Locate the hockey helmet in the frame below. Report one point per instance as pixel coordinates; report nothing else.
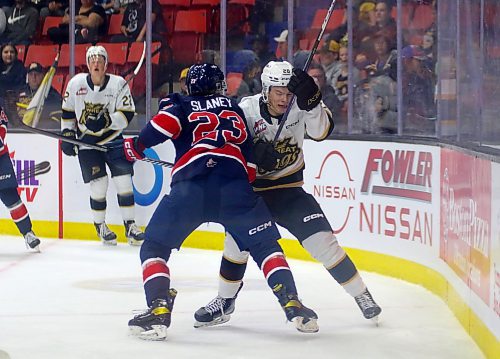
(275, 73)
(97, 50)
(205, 79)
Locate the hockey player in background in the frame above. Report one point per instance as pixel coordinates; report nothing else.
(279, 182)
(8, 190)
(210, 183)
(96, 108)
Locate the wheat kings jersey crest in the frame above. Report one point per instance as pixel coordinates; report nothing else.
(83, 102)
(317, 124)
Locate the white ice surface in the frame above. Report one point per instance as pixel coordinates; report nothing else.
(74, 300)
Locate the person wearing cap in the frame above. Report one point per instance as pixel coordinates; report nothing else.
(299, 56)
(51, 109)
(182, 81)
(419, 81)
(366, 24)
(328, 57)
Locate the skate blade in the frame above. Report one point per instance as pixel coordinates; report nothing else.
(159, 332)
(221, 320)
(134, 242)
(110, 243)
(35, 249)
(311, 326)
(375, 320)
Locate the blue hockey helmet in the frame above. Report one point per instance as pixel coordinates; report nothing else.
(205, 79)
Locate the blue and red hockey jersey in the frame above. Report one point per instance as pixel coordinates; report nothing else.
(205, 130)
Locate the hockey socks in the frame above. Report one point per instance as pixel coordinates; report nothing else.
(17, 209)
(156, 279)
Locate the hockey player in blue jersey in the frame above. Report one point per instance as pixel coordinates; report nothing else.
(9, 189)
(210, 183)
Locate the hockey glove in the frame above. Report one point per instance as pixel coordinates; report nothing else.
(69, 149)
(96, 124)
(129, 149)
(133, 149)
(306, 90)
(265, 155)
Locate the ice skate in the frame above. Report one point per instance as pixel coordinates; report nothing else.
(153, 324)
(134, 235)
(108, 237)
(32, 241)
(305, 319)
(218, 311)
(368, 307)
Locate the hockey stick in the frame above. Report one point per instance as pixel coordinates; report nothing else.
(306, 66)
(34, 111)
(38, 169)
(102, 148)
(134, 74)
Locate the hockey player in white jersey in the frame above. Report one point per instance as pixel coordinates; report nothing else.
(96, 108)
(279, 181)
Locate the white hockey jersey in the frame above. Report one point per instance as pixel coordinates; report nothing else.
(317, 124)
(83, 101)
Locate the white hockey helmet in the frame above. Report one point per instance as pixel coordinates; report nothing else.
(98, 50)
(275, 73)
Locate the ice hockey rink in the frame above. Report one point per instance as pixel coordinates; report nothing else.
(74, 300)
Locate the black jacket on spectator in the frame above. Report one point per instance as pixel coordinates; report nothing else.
(60, 34)
(21, 25)
(12, 77)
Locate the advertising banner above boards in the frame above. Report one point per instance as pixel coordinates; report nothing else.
(494, 299)
(466, 218)
(151, 183)
(379, 197)
(39, 192)
(429, 205)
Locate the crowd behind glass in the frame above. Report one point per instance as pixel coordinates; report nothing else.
(386, 67)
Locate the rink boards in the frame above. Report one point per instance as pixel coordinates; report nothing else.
(425, 214)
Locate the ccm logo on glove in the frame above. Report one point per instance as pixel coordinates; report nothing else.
(132, 152)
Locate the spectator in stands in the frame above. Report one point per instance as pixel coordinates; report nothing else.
(328, 57)
(22, 21)
(419, 81)
(385, 58)
(330, 99)
(340, 82)
(250, 85)
(91, 24)
(6, 4)
(107, 5)
(385, 24)
(299, 56)
(52, 106)
(260, 45)
(121, 5)
(208, 56)
(12, 72)
(54, 8)
(133, 26)
(182, 81)
(365, 27)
